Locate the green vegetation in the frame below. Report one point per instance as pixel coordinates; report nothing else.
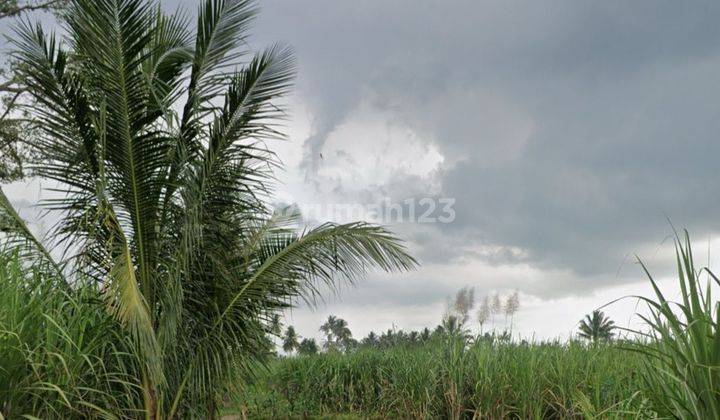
(596, 327)
(157, 140)
(176, 270)
(682, 364)
(290, 340)
(61, 354)
(451, 378)
(670, 371)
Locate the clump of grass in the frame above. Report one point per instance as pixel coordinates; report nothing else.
(682, 370)
(61, 354)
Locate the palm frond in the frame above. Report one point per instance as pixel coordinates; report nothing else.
(324, 254)
(114, 37)
(233, 175)
(171, 53)
(15, 234)
(61, 109)
(125, 300)
(221, 26)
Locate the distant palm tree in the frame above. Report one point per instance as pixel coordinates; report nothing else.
(337, 333)
(342, 332)
(387, 339)
(371, 340)
(307, 347)
(275, 325)
(327, 328)
(291, 340)
(425, 334)
(596, 327)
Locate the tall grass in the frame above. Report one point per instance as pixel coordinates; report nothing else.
(682, 370)
(449, 379)
(61, 354)
(672, 371)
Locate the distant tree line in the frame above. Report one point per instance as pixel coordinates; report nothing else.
(595, 328)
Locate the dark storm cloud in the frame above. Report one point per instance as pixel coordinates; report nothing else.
(570, 129)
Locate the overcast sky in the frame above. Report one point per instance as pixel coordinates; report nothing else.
(567, 132)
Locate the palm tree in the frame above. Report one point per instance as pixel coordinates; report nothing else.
(307, 347)
(343, 335)
(327, 328)
(290, 340)
(371, 340)
(275, 325)
(425, 335)
(387, 339)
(596, 327)
(157, 141)
(337, 334)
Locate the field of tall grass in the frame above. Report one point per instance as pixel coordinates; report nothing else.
(452, 378)
(671, 369)
(62, 354)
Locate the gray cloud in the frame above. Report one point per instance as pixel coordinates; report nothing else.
(570, 129)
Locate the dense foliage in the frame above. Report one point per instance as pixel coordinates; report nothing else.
(61, 353)
(156, 140)
(682, 349)
(446, 378)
